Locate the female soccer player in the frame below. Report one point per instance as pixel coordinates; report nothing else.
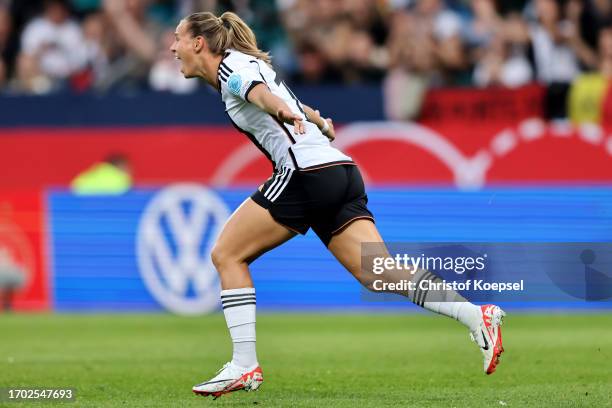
(313, 186)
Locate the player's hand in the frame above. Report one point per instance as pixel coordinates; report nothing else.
(330, 132)
(291, 118)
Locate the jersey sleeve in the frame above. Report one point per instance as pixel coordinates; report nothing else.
(242, 80)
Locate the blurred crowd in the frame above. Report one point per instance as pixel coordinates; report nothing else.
(407, 45)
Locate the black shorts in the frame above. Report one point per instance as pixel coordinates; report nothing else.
(326, 199)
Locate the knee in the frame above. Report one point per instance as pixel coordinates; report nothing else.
(222, 257)
(365, 277)
(367, 282)
(218, 255)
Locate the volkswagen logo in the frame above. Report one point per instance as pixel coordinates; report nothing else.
(175, 236)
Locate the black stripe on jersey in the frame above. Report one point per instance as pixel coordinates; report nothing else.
(297, 102)
(263, 80)
(227, 70)
(254, 140)
(282, 125)
(222, 76)
(293, 159)
(219, 70)
(253, 85)
(259, 69)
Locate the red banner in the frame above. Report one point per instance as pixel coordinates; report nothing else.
(491, 105)
(468, 154)
(22, 262)
(529, 152)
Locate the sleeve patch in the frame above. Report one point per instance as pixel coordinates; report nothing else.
(234, 83)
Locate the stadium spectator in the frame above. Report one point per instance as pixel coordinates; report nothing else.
(165, 73)
(12, 277)
(407, 45)
(343, 37)
(605, 52)
(437, 17)
(511, 6)
(5, 31)
(364, 62)
(369, 16)
(590, 100)
(84, 7)
(185, 7)
(503, 62)
(433, 19)
(111, 176)
(97, 48)
(558, 51)
(425, 49)
(135, 40)
(367, 58)
(263, 17)
(314, 66)
(605, 69)
(596, 15)
(51, 49)
(483, 27)
(574, 10)
(413, 68)
(555, 47)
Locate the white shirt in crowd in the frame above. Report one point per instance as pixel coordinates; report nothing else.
(555, 62)
(515, 72)
(60, 47)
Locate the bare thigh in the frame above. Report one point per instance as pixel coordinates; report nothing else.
(250, 232)
(347, 248)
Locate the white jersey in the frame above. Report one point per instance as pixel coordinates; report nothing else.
(238, 74)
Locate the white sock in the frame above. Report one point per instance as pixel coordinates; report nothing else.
(465, 312)
(445, 302)
(239, 310)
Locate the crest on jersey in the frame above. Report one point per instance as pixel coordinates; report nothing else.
(234, 83)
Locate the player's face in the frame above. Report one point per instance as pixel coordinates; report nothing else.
(183, 49)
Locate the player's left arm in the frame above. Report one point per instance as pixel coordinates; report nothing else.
(265, 100)
(326, 125)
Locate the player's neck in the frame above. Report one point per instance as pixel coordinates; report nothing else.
(209, 69)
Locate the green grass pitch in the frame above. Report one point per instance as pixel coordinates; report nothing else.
(309, 360)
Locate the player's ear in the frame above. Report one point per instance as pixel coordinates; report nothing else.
(199, 44)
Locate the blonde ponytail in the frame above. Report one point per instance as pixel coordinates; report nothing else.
(225, 32)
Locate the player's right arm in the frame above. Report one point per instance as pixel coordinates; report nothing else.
(315, 117)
